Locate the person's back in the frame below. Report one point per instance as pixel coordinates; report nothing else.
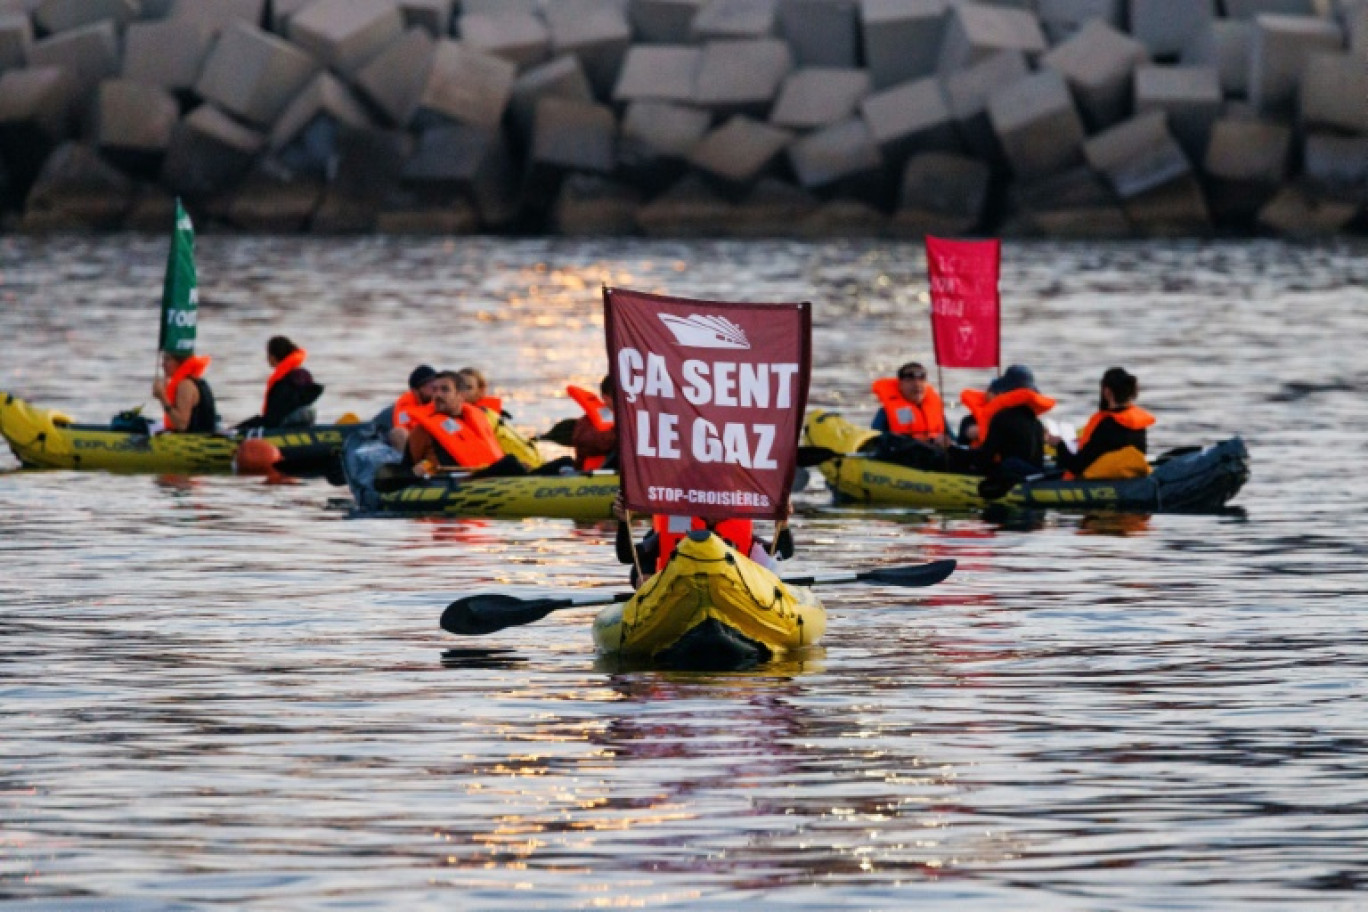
(290, 390)
(1012, 438)
(1114, 442)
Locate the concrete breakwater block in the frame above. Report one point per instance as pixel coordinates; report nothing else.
(595, 31)
(563, 77)
(133, 117)
(1334, 92)
(574, 136)
(368, 168)
(395, 79)
(941, 194)
(967, 92)
(281, 12)
(168, 52)
(345, 35)
(1226, 46)
(304, 138)
(16, 34)
(90, 52)
(1166, 26)
(77, 189)
(1337, 165)
(592, 206)
(1037, 125)
(912, 117)
(819, 96)
(1098, 63)
(54, 16)
(658, 72)
(975, 32)
(267, 202)
(456, 162)
(1301, 212)
(209, 152)
(773, 208)
(739, 151)
(1076, 203)
(821, 33)
(1246, 162)
(218, 15)
(663, 21)
(1190, 96)
(1146, 167)
(655, 129)
(1248, 9)
(902, 38)
(690, 208)
(741, 75)
(467, 85)
(735, 19)
(433, 16)
(520, 37)
(37, 108)
(253, 74)
(843, 152)
(1282, 47)
(1061, 19)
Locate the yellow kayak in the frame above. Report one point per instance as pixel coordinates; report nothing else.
(710, 608)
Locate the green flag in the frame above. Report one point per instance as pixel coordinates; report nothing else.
(180, 293)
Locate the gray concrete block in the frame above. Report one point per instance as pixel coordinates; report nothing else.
(1098, 63)
(975, 32)
(54, 16)
(151, 9)
(520, 37)
(741, 75)
(688, 209)
(168, 52)
(394, 81)
(844, 218)
(16, 34)
(77, 189)
(663, 21)
(305, 137)
(1304, 213)
(414, 216)
(459, 161)
(1282, 46)
(562, 77)
(134, 116)
(345, 35)
(1149, 172)
(43, 98)
(739, 150)
(368, 167)
(1037, 124)
(217, 15)
(273, 203)
(500, 6)
(282, 11)
(592, 206)
(1061, 19)
(658, 72)
(819, 96)
(595, 32)
(1248, 9)
(1225, 46)
(1337, 164)
(840, 152)
(1076, 203)
(434, 16)
(573, 136)
(942, 193)
(1334, 93)
(722, 19)
(209, 153)
(654, 129)
(772, 209)
(823, 33)
(467, 85)
(1190, 96)
(90, 52)
(1166, 26)
(967, 91)
(912, 117)
(1356, 24)
(902, 38)
(253, 74)
(1249, 151)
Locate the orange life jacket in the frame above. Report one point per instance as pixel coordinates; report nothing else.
(493, 403)
(983, 409)
(922, 422)
(194, 366)
(407, 408)
(293, 361)
(740, 532)
(1132, 417)
(1127, 462)
(600, 415)
(469, 439)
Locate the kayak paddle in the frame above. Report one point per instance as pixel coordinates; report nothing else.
(477, 615)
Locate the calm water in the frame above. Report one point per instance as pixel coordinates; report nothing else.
(219, 694)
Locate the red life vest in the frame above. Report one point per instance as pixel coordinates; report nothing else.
(740, 532)
(194, 366)
(407, 408)
(983, 409)
(600, 415)
(469, 439)
(1132, 417)
(293, 361)
(921, 422)
(493, 403)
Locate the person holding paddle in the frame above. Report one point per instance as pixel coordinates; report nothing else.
(666, 531)
(185, 394)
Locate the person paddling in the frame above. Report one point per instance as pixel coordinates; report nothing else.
(290, 390)
(910, 406)
(1113, 443)
(185, 394)
(1011, 436)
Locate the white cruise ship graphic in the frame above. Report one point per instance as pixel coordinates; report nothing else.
(698, 331)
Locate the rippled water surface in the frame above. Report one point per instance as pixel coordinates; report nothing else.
(220, 694)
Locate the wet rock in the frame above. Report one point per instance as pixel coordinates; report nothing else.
(844, 218)
(413, 217)
(369, 165)
(1072, 204)
(1246, 162)
(270, 202)
(1303, 213)
(773, 209)
(688, 209)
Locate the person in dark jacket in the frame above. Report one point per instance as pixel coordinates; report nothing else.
(1114, 442)
(290, 390)
(1014, 439)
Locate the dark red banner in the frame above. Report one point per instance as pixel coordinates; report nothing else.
(964, 301)
(709, 403)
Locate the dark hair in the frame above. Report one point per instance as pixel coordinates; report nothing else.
(1124, 386)
(453, 376)
(280, 348)
(607, 387)
(911, 367)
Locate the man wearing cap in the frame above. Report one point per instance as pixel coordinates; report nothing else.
(1012, 439)
(422, 385)
(911, 406)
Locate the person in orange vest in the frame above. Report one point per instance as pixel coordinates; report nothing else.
(1113, 443)
(594, 435)
(290, 390)
(911, 407)
(666, 532)
(185, 394)
(422, 385)
(478, 394)
(453, 433)
(1011, 437)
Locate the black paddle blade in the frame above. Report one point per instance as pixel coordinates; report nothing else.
(477, 615)
(923, 575)
(809, 456)
(561, 432)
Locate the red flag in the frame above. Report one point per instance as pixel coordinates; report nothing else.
(709, 402)
(964, 301)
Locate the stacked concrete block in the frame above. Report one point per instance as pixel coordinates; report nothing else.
(133, 123)
(741, 75)
(169, 53)
(1246, 162)
(967, 92)
(90, 52)
(77, 189)
(975, 32)
(500, 6)
(941, 194)
(844, 218)
(433, 16)
(658, 72)
(1226, 46)
(593, 206)
(37, 108)
(1075, 203)
(16, 34)
(345, 35)
(1303, 213)
(53, 16)
(562, 77)
(1166, 26)
(902, 38)
(1334, 93)
(394, 81)
(663, 21)
(842, 153)
(1356, 23)
(688, 209)
(912, 117)
(573, 136)
(1337, 165)
(271, 203)
(774, 208)
(720, 19)
(218, 15)
(1061, 19)
(282, 11)
(253, 74)
(1098, 63)
(819, 96)
(1037, 125)
(458, 162)
(413, 215)
(655, 139)
(305, 137)
(1282, 46)
(738, 152)
(369, 163)
(209, 152)
(519, 37)
(822, 33)
(466, 85)
(595, 31)
(1190, 96)
(1149, 172)
(1248, 9)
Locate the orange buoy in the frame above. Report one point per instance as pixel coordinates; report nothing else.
(256, 457)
